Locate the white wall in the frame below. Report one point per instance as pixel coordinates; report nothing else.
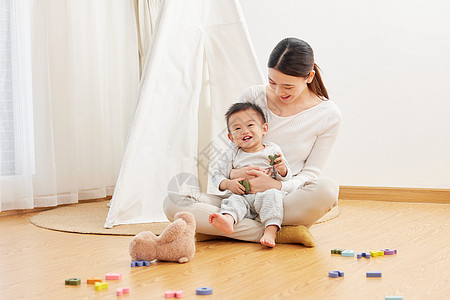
(387, 65)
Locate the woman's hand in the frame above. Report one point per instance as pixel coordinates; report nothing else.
(261, 182)
(242, 172)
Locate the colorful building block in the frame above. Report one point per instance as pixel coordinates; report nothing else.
(246, 185)
(333, 274)
(272, 159)
(73, 281)
(204, 291)
(113, 276)
(140, 263)
(366, 254)
(393, 298)
(93, 280)
(169, 294)
(348, 253)
(179, 294)
(101, 286)
(374, 253)
(359, 255)
(389, 251)
(373, 274)
(122, 291)
(337, 251)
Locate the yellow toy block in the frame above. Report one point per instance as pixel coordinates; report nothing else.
(374, 253)
(101, 285)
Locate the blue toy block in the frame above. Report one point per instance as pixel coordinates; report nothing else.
(373, 274)
(359, 255)
(348, 253)
(341, 273)
(140, 263)
(204, 291)
(333, 274)
(366, 254)
(393, 298)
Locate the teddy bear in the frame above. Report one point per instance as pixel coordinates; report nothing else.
(176, 242)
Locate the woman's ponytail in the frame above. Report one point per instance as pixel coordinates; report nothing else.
(316, 85)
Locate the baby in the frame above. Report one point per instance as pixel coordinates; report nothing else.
(246, 128)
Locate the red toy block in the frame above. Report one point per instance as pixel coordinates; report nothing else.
(113, 276)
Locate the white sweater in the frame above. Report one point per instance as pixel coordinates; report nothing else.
(306, 138)
(236, 158)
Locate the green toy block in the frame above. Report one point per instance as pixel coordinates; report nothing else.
(272, 159)
(245, 184)
(73, 281)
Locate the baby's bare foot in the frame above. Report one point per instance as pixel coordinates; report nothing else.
(222, 222)
(268, 238)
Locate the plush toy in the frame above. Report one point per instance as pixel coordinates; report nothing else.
(176, 242)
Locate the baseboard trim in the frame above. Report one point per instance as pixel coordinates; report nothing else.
(395, 194)
(15, 212)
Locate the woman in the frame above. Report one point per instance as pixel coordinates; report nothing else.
(305, 124)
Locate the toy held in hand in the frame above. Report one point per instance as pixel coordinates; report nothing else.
(246, 184)
(176, 242)
(272, 159)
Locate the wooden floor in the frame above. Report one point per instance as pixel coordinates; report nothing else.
(34, 262)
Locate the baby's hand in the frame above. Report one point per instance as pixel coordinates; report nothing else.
(280, 165)
(235, 187)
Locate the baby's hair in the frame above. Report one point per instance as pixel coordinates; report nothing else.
(243, 106)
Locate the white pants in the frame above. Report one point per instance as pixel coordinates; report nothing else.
(301, 207)
(268, 205)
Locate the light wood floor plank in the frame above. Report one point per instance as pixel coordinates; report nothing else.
(34, 262)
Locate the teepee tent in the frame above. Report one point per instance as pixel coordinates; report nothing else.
(199, 61)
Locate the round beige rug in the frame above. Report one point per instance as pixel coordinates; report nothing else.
(90, 218)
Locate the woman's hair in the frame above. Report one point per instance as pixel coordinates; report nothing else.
(243, 106)
(295, 57)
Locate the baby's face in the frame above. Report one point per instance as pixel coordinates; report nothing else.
(247, 130)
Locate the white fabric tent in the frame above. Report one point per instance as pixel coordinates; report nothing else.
(199, 62)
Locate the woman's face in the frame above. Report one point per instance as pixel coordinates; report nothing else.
(288, 88)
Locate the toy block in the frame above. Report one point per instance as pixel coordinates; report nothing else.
(122, 291)
(73, 281)
(359, 255)
(393, 298)
(169, 294)
(348, 253)
(373, 274)
(146, 263)
(337, 251)
(272, 159)
(246, 184)
(93, 280)
(101, 285)
(204, 291)
(367, 255)
(113, 276)
(376, 253)
(179, 294)
(333, 274)
(389, 251)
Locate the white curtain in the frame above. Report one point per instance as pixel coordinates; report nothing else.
(74, 89)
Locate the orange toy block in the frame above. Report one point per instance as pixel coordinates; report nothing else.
(93, 280)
